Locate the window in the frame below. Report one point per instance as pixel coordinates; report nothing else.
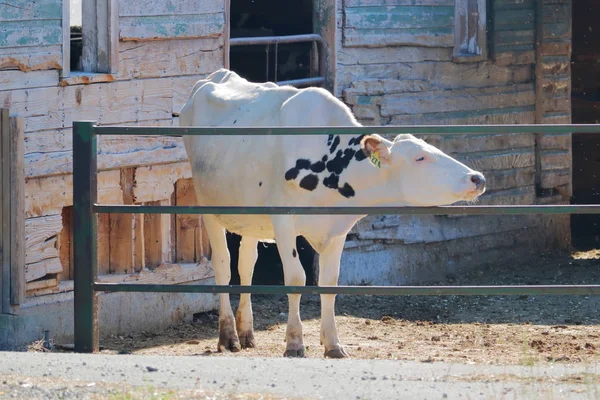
(90, 35)
(470, 43)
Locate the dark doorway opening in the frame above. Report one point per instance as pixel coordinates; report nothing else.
(269, 269)
(585, 96)
(259, 18)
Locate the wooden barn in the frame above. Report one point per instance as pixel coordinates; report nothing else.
(392, 61)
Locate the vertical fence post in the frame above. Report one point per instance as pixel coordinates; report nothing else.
(16, 137)
(84, 241)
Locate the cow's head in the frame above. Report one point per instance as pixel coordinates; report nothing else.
(420, 174)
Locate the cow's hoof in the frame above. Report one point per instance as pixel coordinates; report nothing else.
(299, 353)
(232, 345)
(247, 340)
(336, 353)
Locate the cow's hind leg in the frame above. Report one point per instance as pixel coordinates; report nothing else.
(329, 270)
(285, 235)
(244, 320)
(228, 338)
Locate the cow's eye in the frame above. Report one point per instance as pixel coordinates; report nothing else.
(420, 159)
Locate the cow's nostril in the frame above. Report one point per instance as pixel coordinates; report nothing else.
(478, 180)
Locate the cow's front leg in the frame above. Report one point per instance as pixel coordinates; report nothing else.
(285, 235)
(244, 320)
(228, 338)
(329, 270)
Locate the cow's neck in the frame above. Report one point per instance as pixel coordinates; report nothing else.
(370, 184)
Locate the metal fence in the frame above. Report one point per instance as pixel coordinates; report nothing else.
(86, 209)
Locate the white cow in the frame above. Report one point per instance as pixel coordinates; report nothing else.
(300, 170)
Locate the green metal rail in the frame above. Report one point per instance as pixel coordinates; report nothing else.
(85, 210)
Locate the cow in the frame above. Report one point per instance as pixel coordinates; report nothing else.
(300, 170)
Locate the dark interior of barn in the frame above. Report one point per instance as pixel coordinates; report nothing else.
(259, 18)
(586, 110)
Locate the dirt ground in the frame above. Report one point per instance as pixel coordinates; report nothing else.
(525, 330)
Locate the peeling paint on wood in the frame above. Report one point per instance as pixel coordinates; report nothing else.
(171, 26)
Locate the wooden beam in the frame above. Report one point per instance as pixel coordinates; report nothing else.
(65, 244)
(188, 227)
(17, 210)
(121, 229)
(157, 236)
(4, 213)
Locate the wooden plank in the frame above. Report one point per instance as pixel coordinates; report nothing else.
(65, 245)
(166, 273)
(379, 3)
(176, 57)
(121, 229)
(157, 237)
(42, 268)
(399, 17)
(130, 8)
(4, 212)
(158, 182)
(188, 227)
(104, 243)
(17, 211)
(33, 58)
(139, 249)
(31, 33)
(49, 282)
(66, 39)
(30, 10)
(459, 100)
(43, 250)
(431, 229)
(40, 231)
(46, 196)
(500, 160)
(171, 26)
(14, 79)
(555, 159)
(365, 55)
(425, 37)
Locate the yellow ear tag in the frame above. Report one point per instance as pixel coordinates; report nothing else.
(375, 159)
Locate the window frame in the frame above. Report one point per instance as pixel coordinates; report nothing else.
(100, 38)
(479, 33)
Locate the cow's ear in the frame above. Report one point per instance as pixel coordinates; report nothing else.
(375, 148)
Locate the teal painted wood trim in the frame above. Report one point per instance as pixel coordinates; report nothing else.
(427, 118)
(137, 8)
(514, 17)
(426, 37)
(399, 17)
(30, 33)
(171, 26)
(514, 48)
(379, 3)
(24, 10)
(513, 5)
(514, 37)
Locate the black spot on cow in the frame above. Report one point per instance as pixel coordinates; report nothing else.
(329, 140)
(294, 254)
(302, 163)
(355, 140)
(360, 155)
(234, 121)
(317, 167)
(341, 161)
(346, 191)
(324, 158)
(291, 174)
(259, 184)
(331, 181)
(309, 182)
(334, 145)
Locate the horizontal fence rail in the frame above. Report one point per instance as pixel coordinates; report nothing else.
(497, 290)
(362, 130)
(447, 210)
(86, 209)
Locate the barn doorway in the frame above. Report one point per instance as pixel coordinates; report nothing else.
(259, 18)
(585, 96)
(259, 63)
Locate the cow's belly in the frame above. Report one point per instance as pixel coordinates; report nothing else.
(257, 226)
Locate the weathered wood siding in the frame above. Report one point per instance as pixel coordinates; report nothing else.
(170, 19)
(395, 65)
(30, 35)
(164, 48)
